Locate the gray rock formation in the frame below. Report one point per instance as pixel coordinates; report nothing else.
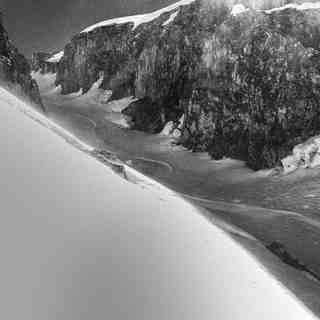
(248, 84)
(15, 71)
(41, 62)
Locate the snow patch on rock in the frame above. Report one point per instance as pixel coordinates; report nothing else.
(56, 57)
(296, 6)
(171, 18)
(238, 9)
(138, 19)
(305, 155)
(173, 129)
(120, 105)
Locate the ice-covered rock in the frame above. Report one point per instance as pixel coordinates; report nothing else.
(304, 155)
(173, 128)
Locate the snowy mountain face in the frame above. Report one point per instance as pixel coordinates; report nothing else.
(15, 71)
(245, 75)
(85, 253)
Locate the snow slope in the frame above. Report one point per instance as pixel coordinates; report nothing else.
(138, 19)
(79, 242)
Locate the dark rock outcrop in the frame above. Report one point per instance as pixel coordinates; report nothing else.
(248, 85)
(40, 63)
(15, 72)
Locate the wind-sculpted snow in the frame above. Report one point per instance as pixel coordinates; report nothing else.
(90, 245)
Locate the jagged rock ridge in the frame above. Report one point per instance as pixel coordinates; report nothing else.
(248, 84)
(15, 71)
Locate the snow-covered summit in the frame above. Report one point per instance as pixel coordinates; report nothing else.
(138, 19)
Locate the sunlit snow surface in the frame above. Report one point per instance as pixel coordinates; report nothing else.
(79, 242)
(139, 19)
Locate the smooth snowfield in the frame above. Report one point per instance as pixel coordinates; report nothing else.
(140, 18)
(78, 242)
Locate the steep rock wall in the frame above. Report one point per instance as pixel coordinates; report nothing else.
(15, 71)
(39, 62)
(248, 85)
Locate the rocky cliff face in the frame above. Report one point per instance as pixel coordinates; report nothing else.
(246, 80)
(44, 62)
(15, 71)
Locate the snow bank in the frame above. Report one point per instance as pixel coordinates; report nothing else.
(305, 155)
(56, 57)
(84, 241)
(138, 19)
